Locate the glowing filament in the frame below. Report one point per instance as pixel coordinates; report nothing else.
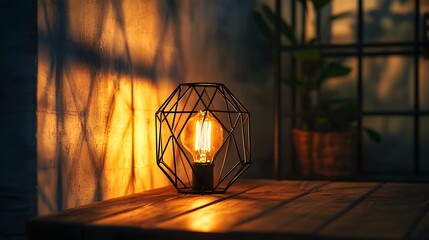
(202, 136)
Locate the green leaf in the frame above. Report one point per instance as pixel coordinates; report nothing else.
(339, 16)
(319, 4)
(286, 29)
(307, 54)
(373, 135)
(333, 69)
(263, 26)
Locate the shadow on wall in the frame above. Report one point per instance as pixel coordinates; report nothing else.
(104, 67)
(101, 76)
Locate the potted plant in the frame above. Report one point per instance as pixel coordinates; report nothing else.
(325, 135)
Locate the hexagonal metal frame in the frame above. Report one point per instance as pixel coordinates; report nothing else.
(185, 101)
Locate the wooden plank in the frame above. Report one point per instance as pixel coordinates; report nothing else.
(421, 228)
(252, 209)
(219, 217)
(68, 224)
(127, 211)
(388, 213)
(308, 213)
(102, 209)
(170, 208)
(111, 207)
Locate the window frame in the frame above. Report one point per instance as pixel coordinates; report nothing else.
(358, 50)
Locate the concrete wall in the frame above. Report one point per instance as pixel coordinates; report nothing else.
(104, 67)
(18, 54)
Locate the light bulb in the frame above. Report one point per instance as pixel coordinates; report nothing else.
(202, 137)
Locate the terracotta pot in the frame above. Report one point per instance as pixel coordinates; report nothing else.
(325, 153)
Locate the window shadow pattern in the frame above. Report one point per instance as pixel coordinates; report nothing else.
(104, 67)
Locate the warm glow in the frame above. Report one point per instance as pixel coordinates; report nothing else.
(96, 95)
(202, 137)
(202, 220)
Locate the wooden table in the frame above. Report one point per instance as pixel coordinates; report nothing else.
(251, 209)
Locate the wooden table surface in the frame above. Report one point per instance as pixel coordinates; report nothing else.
(251, 209)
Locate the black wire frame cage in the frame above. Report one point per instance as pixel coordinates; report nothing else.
(234, 155)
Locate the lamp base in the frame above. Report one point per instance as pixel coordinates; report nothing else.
(202, 178)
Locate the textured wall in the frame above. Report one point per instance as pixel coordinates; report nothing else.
(99, 83)
(104, 67)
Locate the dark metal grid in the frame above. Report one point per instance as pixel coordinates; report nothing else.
(277, 94)
(359, 50)
(416, 88)
(359, 84)
(185, 101)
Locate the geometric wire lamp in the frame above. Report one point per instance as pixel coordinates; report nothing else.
(202, 138)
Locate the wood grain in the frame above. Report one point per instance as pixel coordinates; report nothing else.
(202, 221)
(252, 209)
(220, 216)
(103, 209)
(308, 213)
(387, 213)
(166, 209)
(421, 228)
(130, 211)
